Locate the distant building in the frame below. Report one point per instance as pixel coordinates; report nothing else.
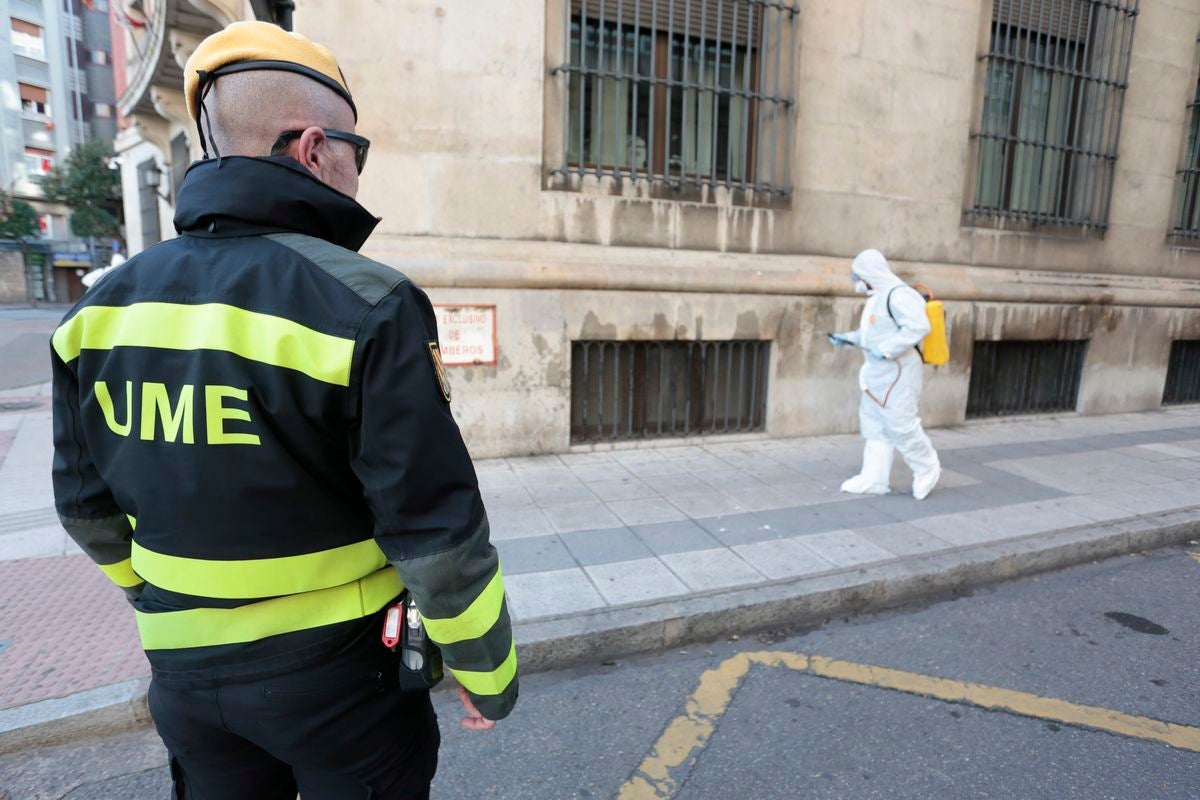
(56, 91)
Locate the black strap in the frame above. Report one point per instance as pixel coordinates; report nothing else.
(888, 302)
(203, 117)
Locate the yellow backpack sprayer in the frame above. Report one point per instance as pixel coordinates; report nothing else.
(934, 348)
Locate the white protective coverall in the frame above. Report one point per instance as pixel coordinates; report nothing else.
(890, 380)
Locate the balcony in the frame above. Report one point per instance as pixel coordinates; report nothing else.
(31, 70)
(29, 10)
(32, 53)
(37, 131)
(157, 64)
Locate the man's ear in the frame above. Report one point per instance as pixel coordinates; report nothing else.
(310, 150)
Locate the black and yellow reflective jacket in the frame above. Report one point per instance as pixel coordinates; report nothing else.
(253, 437)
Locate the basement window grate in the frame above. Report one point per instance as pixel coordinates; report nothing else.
(1025, 377)
(645, 390)
(1183, 373)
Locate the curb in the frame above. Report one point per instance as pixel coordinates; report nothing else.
(108, 709)
(570, 640)
(558, 642)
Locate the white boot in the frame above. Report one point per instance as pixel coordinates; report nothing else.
(876, 470)
(923, 484)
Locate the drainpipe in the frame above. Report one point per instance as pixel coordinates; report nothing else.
(283, 13)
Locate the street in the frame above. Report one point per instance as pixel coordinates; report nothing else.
(25, 345)
(1117, 636)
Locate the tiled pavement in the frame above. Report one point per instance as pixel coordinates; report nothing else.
(588, 531)
(63, 629)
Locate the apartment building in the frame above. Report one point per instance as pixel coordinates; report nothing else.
(56, 91)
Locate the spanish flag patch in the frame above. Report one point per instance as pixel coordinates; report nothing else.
(435, 353)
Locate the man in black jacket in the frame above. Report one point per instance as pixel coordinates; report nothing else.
(253, 438)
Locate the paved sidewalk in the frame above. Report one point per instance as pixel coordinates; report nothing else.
(589, 537)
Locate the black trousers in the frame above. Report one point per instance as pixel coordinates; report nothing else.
(340, 730)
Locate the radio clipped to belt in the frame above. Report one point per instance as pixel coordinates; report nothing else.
(420, 658)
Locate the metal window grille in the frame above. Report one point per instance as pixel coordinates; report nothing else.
(1025, 377)
(680, 93)
(1187, 213)
(643, 390)
(1183, 373)
(1055, 88)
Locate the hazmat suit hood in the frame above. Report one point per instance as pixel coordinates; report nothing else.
(872, 267)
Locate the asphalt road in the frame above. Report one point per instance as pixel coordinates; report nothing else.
(25, 345)
(1122, 635)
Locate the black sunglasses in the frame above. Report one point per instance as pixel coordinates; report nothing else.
(361, 144)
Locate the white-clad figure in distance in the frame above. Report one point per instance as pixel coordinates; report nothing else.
(893, 324)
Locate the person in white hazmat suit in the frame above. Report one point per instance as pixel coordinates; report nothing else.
(893, 323)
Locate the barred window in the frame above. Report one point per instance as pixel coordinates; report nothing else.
(1025, 377)
(652, 389)
(1183, 373)
(1047, 143)
(680, 93)
(1187, 213)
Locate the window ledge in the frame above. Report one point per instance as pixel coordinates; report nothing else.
(983, 221)
(646, 189)
(1189, 240)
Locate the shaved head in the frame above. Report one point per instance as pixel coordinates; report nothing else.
(250, 109)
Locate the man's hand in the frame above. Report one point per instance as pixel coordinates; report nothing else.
(473, 721)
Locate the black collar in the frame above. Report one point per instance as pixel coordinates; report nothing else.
(242, 196)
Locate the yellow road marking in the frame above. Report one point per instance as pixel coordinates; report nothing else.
(1027, 705)
(686, 736)
(1194, 555)
(688, 733)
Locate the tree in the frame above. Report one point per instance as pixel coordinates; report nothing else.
(19, 223)
(18, 220)
(90, 188)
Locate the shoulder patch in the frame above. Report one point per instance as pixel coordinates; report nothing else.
(439, 369)
(369, 279)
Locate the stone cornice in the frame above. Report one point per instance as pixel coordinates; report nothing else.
(499, 264)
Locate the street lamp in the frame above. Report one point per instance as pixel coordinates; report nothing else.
(152, 179)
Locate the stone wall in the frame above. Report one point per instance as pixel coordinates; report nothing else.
(522, 405)
(13, 287)
(887, 95)
(549, 295)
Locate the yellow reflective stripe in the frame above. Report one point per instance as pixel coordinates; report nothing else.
(259, 577)
(122, 573)
(477, 620)
(209, 326)
(204, 627)
(489, 683)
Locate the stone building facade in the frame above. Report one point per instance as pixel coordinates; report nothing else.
(1031, 161)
